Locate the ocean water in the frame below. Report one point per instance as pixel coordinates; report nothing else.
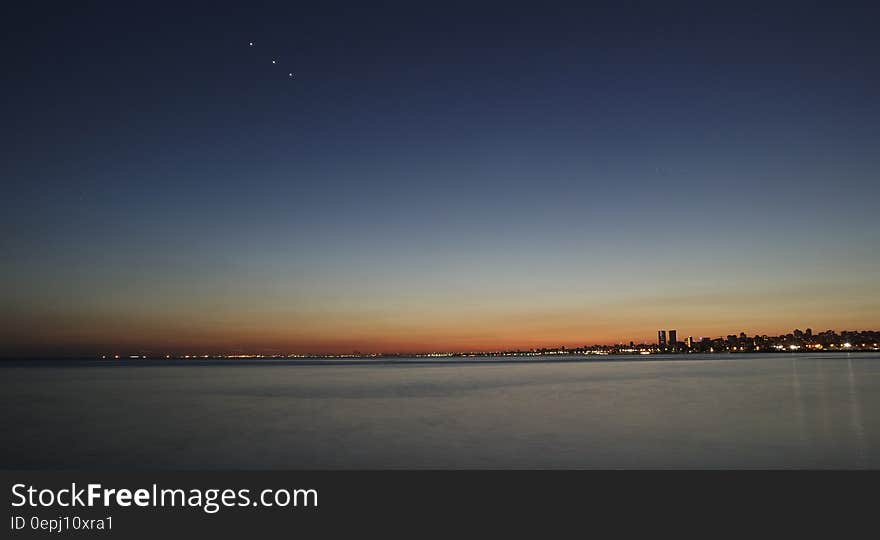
(722, 411)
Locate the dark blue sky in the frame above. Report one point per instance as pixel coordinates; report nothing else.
(436, 174)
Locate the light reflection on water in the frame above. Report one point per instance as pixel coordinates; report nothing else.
(752, 411)
(799, 402)
(857, 426)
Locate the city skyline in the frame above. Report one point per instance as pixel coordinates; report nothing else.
(443, 176)
(796, 340)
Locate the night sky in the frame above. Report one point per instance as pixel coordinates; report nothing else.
(434, 176)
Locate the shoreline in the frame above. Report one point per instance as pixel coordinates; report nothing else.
(402, 360)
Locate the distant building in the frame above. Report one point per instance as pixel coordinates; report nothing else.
(689, 342)
(673, 338)
(661, 338)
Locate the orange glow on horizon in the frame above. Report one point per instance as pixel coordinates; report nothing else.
(390, 341)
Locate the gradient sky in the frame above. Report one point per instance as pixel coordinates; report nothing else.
(441, 176)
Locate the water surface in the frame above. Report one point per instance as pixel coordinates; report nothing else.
(722, 411)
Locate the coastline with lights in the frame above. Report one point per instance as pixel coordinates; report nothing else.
(667, 343)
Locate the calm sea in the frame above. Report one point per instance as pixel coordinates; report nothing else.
(725, 411)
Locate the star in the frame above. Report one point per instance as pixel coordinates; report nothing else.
(273, 61)
(251, 44)
(290, 75)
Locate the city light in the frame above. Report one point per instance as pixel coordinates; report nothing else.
(667, 343)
